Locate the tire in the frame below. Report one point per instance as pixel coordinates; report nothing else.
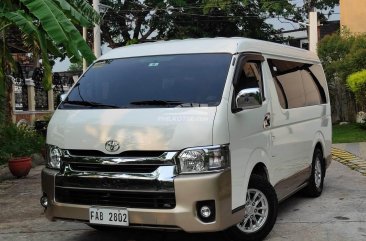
(243, 231)
(316, 180)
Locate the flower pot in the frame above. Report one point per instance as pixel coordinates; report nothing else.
(20, 166)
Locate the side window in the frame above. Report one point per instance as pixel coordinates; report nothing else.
(250, 77)
(296, 85)
(292, 85)
(312, 93)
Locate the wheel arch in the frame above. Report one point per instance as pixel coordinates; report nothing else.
(258, 161)
(318, 142)
(258, 164)
(260, 169)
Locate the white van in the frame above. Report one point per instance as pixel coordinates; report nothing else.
(198, 135)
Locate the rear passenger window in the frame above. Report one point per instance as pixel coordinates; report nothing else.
(312, 93)
(296, 84)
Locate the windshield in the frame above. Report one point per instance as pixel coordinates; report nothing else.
(152, 82)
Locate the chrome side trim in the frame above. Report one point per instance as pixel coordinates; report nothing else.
(293, 192)
(288, 186)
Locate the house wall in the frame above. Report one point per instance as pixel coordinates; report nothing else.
(353, 15)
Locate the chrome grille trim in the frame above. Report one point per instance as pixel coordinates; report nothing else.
(124, 181)
(167, 158)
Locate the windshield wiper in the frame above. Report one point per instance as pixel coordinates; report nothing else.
(166, 103)
(88, 103)
(157, 102)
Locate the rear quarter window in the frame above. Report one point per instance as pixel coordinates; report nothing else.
(298, 84)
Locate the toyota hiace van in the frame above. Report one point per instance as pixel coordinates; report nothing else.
(196, 135)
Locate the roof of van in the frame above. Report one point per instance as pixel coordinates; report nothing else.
(210, 45)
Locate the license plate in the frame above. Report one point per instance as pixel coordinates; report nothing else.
(108, 216)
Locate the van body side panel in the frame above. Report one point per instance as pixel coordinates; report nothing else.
(249, 144)
(294, 132)
(293, 147)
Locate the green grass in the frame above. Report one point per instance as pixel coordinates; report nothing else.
(348, 133)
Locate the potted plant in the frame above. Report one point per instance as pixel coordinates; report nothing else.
(18, 144)
(20, 166)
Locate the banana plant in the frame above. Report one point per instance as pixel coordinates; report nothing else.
(49, 27)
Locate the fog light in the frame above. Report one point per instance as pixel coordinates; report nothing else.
(205, 212)
(44, 201)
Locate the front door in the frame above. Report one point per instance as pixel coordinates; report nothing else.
(249, 126)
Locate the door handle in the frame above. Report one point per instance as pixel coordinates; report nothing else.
(267, 121)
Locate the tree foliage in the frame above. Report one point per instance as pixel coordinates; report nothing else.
(226, 19)
(48, 27)
(342, 54)
(357, 84)
(134, 21)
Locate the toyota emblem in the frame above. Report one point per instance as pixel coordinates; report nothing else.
(112, 146)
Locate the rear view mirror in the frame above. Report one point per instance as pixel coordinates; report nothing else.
(248, 99)
(63, 97)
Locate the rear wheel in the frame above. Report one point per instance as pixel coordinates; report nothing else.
(260, 211)
(316, 181)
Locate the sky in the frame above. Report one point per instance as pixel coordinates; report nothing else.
(278, 24)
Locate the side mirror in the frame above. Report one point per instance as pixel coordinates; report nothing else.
(63, 97)
(248, 99)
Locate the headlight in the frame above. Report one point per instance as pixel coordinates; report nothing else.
(204, 159)
(54, 157)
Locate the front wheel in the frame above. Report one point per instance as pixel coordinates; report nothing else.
(260, 211)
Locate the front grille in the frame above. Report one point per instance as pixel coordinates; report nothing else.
(137, 179)
(113, 168)
(127, 184)
(153, 200)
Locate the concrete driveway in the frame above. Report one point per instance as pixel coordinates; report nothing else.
(338, 215)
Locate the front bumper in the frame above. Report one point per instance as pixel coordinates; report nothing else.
(189, 189)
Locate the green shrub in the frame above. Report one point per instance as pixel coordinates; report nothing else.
(357, 84)
(19, 141)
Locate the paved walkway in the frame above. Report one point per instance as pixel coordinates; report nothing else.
(351, 154)
(338, 215)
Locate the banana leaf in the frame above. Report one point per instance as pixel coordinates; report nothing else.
(80, 11)
(73, 14)
(25, 24)
(49, 24)
(60, 29)
(86, 9)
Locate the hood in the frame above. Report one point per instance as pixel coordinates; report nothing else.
(163, 129)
